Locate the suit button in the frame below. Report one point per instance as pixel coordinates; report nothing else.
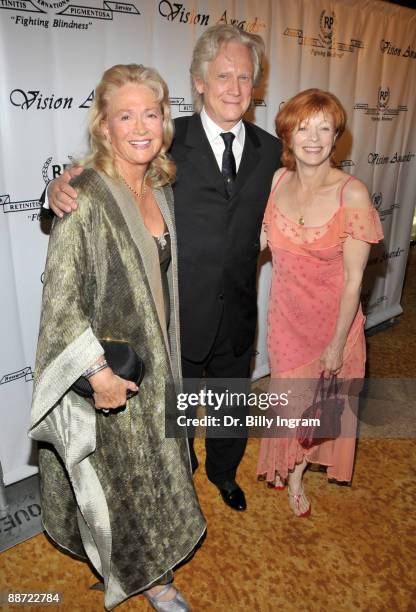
(221, 296)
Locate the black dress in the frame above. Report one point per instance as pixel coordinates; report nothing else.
(164, 250)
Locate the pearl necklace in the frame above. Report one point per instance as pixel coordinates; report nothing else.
(143, 190)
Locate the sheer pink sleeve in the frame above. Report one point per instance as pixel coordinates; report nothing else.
(361, 224)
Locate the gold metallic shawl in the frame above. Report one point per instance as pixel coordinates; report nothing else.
(113, 487)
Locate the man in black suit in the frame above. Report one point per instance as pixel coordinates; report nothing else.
(224, 172)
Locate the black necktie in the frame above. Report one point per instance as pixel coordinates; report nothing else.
(228, 162)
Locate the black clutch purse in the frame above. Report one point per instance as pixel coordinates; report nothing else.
(123, 360)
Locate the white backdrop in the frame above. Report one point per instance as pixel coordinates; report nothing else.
(52, 54)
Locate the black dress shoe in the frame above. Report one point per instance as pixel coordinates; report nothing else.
(233, 496)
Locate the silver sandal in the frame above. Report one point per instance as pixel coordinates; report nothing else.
(176, 604)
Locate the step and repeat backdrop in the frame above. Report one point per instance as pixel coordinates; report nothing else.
(52, 55)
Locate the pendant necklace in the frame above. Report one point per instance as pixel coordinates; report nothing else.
(138, 194)
(301, 219)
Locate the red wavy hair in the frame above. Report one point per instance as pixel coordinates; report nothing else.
(303, 106)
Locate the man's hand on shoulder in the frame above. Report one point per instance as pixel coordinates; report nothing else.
(61, 196)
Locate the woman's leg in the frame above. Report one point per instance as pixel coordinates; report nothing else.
(297, 498)
(164, 597)
(160, 584)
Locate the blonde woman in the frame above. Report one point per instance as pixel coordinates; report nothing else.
(115, 490)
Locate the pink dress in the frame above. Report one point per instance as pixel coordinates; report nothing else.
(305, 294)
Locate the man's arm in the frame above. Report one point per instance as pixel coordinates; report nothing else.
(59, 196)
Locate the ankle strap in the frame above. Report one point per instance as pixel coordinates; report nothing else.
(163, 591)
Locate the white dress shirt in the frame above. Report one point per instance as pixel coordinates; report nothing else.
(213, 131)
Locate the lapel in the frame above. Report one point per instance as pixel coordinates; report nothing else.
(144, 242)
(201, 155)
(249, 159)
(203, 159)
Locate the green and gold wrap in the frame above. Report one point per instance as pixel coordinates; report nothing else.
(113, 488)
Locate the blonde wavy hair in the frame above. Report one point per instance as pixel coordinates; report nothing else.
(161, 170)
(206, 50)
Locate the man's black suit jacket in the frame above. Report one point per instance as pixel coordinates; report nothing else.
(219, 237)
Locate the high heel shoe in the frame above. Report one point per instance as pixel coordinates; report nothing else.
(295, 503)
(176, 604)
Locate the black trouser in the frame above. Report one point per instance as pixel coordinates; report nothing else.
(223, 455)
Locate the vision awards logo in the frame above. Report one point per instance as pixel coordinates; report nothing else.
(176, 11)
(389, 48)
(248, 24)
(381, 110)
(180, 13)
(325, 41)
(387, 256)
(383, 211)
(62, 13)
(378, 159)
(25, 373)
(37, 100)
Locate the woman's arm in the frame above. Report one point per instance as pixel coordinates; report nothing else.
(109, 389)
(355, 256)
(355, 259)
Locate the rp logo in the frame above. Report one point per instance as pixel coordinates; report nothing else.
(383, 97)
(377, 199)
(51, 171)
(327, 24)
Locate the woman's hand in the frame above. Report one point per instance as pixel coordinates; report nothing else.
(61, 196)
(110, 390)
(331, 360)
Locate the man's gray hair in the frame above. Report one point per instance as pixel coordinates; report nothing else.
(206, 50)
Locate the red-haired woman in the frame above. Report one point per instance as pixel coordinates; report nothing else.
(319, 224)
